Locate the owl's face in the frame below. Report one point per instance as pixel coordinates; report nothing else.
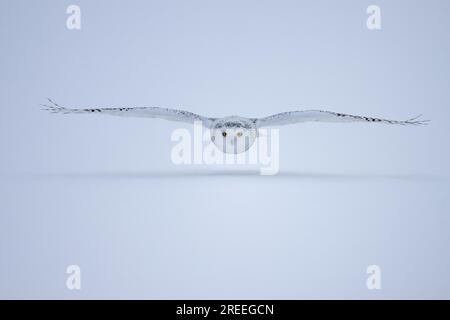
(232, 135)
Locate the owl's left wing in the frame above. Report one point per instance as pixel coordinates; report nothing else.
(144, 112)
(292, 117)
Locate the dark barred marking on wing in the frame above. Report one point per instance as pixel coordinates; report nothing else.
(412, 121)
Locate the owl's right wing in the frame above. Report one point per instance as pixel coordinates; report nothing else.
(144, 112)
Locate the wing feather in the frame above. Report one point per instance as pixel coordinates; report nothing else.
(144, 112)
(292, 117)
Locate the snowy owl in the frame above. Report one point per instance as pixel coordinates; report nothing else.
(233, 134)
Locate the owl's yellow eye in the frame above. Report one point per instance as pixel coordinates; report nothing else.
(239, 134)
(224, 134)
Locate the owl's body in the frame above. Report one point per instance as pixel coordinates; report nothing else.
(232, 134)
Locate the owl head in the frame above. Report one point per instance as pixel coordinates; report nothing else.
(233, 134)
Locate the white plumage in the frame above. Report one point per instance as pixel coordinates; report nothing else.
(232, 134)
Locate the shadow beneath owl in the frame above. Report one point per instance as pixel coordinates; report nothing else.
(249, 174)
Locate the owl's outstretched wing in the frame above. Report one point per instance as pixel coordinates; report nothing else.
(292, 117)
(143, 112)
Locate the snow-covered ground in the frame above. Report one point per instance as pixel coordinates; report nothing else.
(225, 235)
